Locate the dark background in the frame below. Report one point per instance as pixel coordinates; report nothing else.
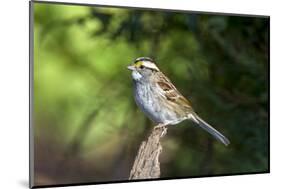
(87, 127)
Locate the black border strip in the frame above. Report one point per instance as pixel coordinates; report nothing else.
(141, 180)
(31, 61)
(268, 92)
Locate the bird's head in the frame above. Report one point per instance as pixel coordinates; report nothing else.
(143, 68)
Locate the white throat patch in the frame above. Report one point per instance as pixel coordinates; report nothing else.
(136, 75)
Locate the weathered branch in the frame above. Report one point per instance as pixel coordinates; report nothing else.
(147, 163)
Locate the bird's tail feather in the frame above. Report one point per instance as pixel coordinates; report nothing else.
(210, 129)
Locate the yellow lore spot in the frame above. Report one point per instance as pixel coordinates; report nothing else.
(138, 64)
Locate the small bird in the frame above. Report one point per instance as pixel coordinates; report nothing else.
(159, 99)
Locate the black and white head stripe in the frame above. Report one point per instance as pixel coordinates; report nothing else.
(147, 62)
(144, 59)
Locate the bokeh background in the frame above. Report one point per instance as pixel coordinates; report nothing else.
(87, 127)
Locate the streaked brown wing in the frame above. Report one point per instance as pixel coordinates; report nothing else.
(171, 92)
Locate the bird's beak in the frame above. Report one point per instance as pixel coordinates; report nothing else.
(131, 68)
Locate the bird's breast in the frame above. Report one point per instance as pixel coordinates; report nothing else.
(153, 104)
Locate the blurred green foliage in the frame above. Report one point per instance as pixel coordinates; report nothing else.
(87, 126)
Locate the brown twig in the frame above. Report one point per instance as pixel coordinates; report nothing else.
(147, 163)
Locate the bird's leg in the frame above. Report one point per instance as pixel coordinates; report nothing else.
(160, 126)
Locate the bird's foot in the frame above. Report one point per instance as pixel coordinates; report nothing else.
(161, 126)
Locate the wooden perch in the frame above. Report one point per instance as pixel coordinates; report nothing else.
(147, 163)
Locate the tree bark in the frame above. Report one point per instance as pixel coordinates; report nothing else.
(146, 164)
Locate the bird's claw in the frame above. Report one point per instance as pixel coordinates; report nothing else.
(160, 126)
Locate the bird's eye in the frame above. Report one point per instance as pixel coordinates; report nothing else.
(141, 67)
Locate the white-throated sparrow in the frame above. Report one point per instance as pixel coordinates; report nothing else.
(159, 99)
